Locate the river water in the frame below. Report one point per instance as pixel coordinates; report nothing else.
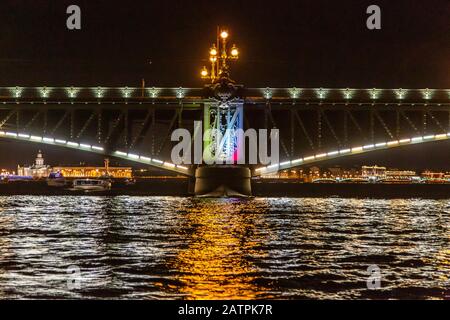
(187, 248)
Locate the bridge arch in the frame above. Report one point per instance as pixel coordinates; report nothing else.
(348, 152)
(160, 164)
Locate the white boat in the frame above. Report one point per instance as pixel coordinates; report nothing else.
(91, 184)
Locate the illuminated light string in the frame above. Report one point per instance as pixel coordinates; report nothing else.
(143, 159)
(92, 148)
(351, 151)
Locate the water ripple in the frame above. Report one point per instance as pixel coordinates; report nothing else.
(187, 248)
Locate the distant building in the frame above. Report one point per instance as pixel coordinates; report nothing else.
(433, 175)
(38, 170)
(400, 174)
(368, 172)
(95, 172)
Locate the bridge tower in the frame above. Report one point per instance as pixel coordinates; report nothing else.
(223, 117)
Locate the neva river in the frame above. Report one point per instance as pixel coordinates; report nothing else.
(187, 248)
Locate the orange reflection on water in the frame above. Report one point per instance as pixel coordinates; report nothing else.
(215, 264)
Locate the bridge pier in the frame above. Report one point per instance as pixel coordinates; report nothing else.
(223, 181)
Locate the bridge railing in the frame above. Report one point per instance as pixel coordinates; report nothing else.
(100, 93)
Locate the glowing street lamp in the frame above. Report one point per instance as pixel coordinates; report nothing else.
(219, 55)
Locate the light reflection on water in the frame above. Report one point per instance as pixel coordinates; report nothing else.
(186, 248)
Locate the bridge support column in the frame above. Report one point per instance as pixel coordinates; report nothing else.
(223, 119)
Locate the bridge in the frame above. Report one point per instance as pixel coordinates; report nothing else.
(135, 123)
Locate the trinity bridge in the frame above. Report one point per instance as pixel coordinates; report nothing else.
(136, 123)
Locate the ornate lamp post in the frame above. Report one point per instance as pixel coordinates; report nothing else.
(223, 121)
(219, 55)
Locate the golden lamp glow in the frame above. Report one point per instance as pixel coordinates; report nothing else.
(234, 51)
(204, 72)
(219, 56)
(213, 51)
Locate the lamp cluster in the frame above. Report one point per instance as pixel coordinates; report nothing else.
(219, 55)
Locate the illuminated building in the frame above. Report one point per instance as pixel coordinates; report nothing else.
(400, 174)
(433, 175)
(95, 172)
(373, 172)
(38, 170)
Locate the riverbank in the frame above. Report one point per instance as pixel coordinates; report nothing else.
(260, 188)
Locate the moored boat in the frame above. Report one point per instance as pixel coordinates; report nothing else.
(92, 184)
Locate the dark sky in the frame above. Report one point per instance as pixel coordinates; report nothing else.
(283, 43)
(314, 43)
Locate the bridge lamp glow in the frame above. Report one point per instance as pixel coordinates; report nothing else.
(97, 148)
(333, 153)
(260, 169)
(392, 143)
(322, 155)
(213, 50)
(430, 137)
(441, 136)
(126, 92)
(157, 161)
(17, 92)
(99, 92)
(60, 141)
(268, 93)
(72, 144)
(181, 167)
(224, 34)
(401, 94)
(48, 140)
(416, 139)
(36, 138)
(321, 93)
(72, 92)
(283, 164)
(234, 52)
(427, 93)
(368, 147)
(153, 92)
(120, 153)
(180, 93)
(169, 165)
(273, 167)
(297, 161)
(374, 93)
(85, 146)
(11, 134)
(146, 159)
(381, 145)
(309, 158)
(24, 136)
(204, 73)
(348, 94)
(345, 151)
(357, 149)
(294, 93)
(133, 156)
(405, 141)
(44, 92)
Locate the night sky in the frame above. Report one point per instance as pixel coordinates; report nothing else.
(283, 43)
